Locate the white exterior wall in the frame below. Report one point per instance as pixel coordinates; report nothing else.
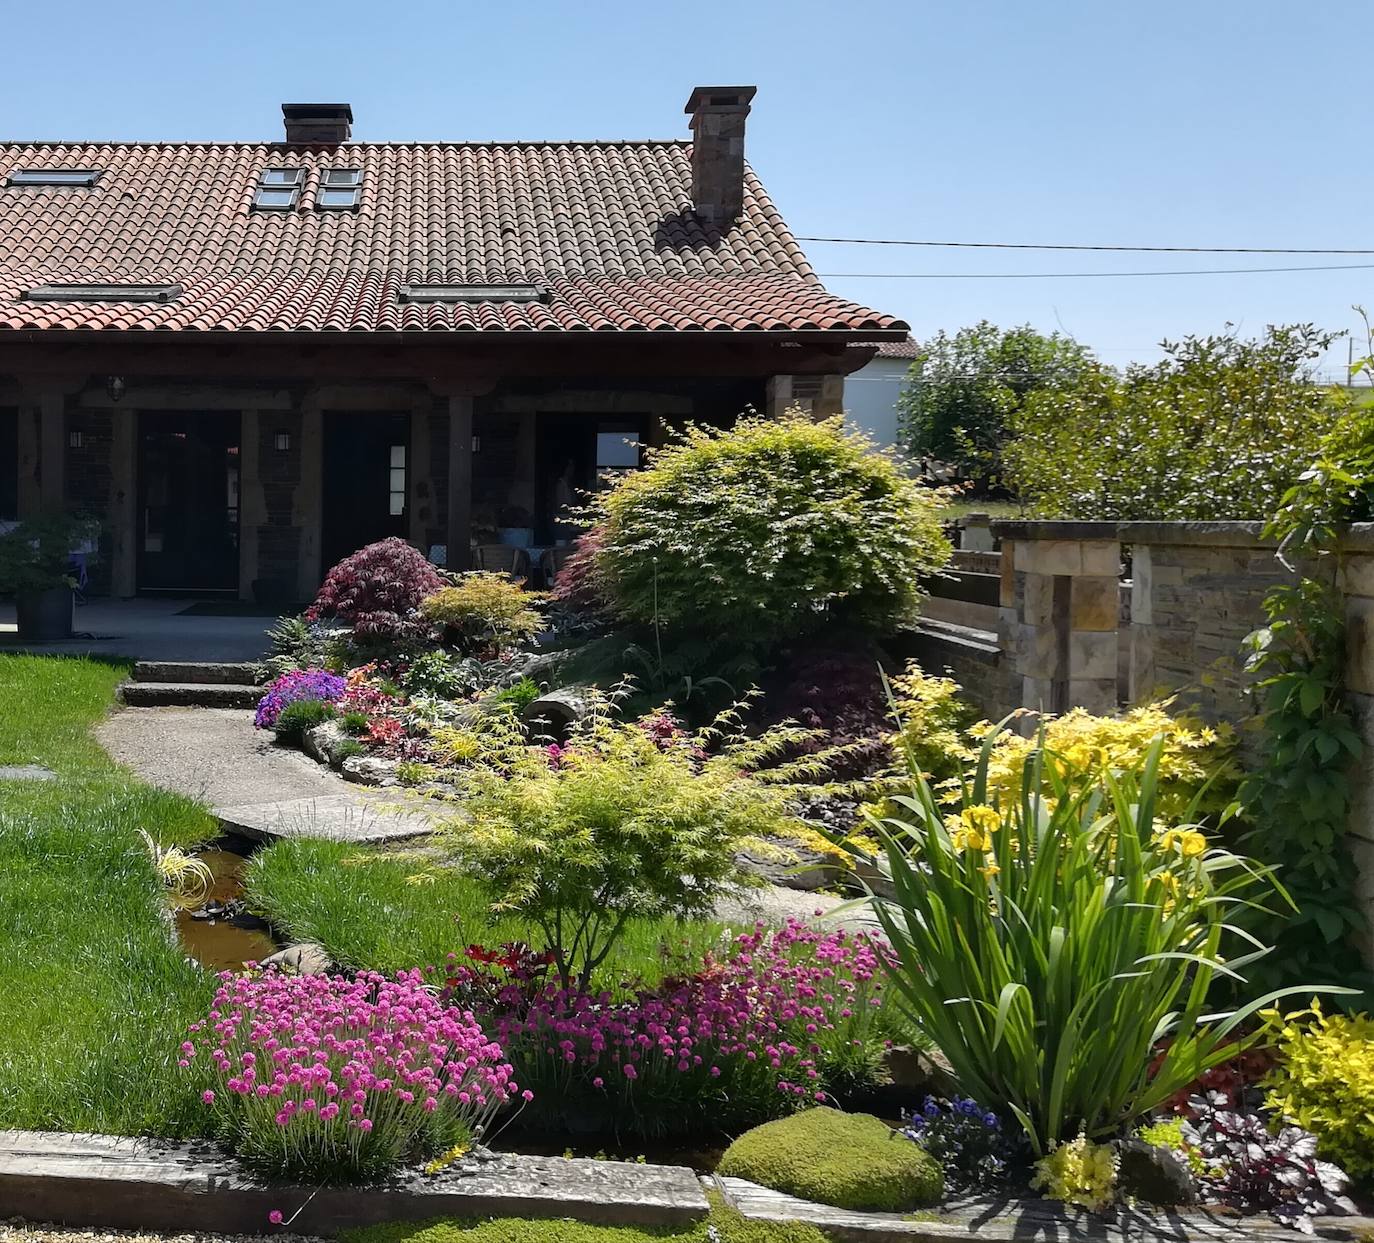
(870, 397)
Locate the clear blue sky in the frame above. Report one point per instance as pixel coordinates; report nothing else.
(1175, 122)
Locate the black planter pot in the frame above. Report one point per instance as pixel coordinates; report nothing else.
(45, 615)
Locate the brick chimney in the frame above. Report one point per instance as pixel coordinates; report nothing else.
(718, 114)
(317, 125)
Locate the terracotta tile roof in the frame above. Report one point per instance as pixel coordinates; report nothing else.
(606, 228)
(898, 349)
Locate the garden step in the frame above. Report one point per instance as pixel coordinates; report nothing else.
(189, 695)
(200, 672)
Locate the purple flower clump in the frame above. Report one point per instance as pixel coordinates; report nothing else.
(295, 686)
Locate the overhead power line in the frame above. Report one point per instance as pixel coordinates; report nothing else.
(1181, 250)
(1032, 276)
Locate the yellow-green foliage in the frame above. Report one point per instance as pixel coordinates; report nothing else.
(621, 821)
(1168, 1133)
(1325, 1082)
(852, 1161)
(484, 610)
(934, 722)
(1078, 1172)
(768, 529)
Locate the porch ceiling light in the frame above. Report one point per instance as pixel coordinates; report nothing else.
(114, 387)
(474, 293)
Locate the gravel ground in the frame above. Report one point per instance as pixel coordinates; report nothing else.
(17, 1231)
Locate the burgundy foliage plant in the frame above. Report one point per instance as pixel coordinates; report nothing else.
(377, 589)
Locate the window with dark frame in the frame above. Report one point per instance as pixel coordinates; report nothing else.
(279, 189)
(396, 485)
(341, 189)
(53, 177)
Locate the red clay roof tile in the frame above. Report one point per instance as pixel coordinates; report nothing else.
(607, 228)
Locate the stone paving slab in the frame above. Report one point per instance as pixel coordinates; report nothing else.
(1020, 1221)
(99, 1180)
(336, 817)
(26, 772)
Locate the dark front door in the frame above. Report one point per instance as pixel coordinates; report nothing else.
(188, 501)
(366, 471)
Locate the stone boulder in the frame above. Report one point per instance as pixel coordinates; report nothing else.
(1153, 1175)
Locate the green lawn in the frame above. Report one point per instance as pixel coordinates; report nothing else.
(94, 992)
(391, 911)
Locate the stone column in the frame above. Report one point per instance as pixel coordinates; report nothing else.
(53, 442)
(820, 396)
(123, 502)
(309, 502)
(459, 481)
(252, 501)
(1059, 613)
(419, 478)
(30, 460)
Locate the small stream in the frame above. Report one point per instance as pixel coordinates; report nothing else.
(221, 935)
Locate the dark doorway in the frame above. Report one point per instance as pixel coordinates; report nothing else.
(576, 454)
(188, 501)
(9, 463)
(366, 477)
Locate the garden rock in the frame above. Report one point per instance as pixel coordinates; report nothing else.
(791, 864)
(369, 770)
(324, 742)
(1152, 1174)
(559, 710)
(918, 1071)
(303, 958)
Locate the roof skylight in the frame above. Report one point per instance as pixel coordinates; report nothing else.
(279, 189)
(103, 293)
(53, 177)
(341, 189)
(473, 293)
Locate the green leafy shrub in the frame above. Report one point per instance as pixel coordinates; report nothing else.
(852, 1161)
(1219, 429)
(965, 390)
(35, 556)
(484, 612)
(769, 529)
(1078, 1172)
(625, 819)
(1079, 933)
(1324, 1083)
(348, 748)
(302, 715)
(354, 723)
(518, 696)
(933, 721)
(441, 674)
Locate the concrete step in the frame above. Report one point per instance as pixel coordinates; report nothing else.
(207, 673)
(189, 695)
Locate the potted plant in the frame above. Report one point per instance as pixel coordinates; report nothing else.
(35, 568)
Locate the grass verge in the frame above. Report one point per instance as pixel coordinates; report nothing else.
(724, 1225)
(94, 992)
(392, 910)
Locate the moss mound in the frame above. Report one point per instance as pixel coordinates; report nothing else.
(851, 1161)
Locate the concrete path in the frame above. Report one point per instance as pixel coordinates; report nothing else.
(254, 786)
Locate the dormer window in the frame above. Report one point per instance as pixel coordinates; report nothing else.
(84, 177)
(279, 189)
(341, 189)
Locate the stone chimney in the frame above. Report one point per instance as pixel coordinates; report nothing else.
(718, 114)
(317, 125)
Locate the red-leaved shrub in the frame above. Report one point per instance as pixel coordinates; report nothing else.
(578, 584)
(377, 589)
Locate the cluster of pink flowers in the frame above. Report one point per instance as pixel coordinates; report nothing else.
(751, 1031)
(328, 1077)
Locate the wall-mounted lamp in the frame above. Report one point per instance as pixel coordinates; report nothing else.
(74, 439)
(477, 444)
(283, 442)
(115, 387)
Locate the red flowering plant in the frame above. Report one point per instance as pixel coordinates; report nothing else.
(784, 1019)
(377, 591)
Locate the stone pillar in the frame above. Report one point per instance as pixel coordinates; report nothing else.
(459, 481)
(30, 460)
(252, 501)
(419, 478)
(309, 502)
(1059, 613)
(124, 502)
(53, 451)
(820, 396)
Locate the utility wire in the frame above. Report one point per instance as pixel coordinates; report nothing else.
(1189, 250)
(1034, 276)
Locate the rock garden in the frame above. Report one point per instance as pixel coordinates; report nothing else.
(1052, 983)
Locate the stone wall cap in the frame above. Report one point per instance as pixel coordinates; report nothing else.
(1359, 537)
(1055, 529)
(1212, 534)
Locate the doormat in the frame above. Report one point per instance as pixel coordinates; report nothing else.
(233, 608)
